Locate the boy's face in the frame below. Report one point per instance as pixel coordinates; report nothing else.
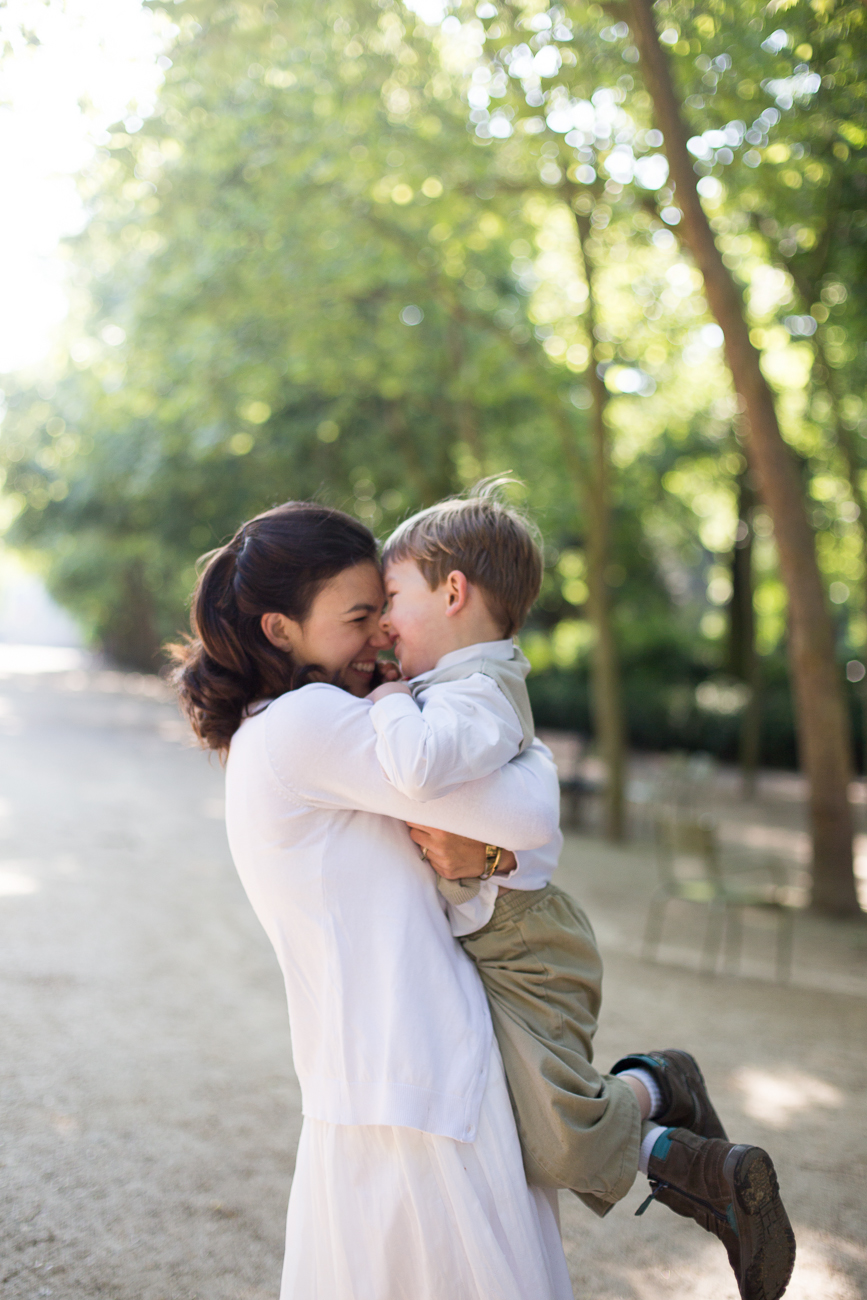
(415, 618)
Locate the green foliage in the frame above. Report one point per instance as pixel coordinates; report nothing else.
(341, 261)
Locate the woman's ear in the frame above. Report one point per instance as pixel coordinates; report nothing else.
(457, 590)
(280, 631)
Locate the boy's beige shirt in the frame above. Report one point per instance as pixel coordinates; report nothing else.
(510, 675)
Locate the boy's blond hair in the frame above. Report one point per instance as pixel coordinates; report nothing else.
(490, 542)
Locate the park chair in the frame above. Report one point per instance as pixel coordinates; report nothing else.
(574, 793)
(685, 782)
(689, 870)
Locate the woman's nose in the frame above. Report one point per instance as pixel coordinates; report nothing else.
(381, 639)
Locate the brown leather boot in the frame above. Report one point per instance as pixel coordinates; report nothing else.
(731, 1191)
(685, 1099)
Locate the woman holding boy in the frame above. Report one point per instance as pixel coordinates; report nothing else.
(409, 1179)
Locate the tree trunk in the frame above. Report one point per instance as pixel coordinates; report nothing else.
(823, 730)
(607, 698)
(854, 470)
(743, 658)
(825, 375)
(133, 640)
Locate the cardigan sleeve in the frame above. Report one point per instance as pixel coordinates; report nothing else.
(322, 750)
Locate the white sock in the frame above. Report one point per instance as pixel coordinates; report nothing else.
(645, 1077)
(648, 1142)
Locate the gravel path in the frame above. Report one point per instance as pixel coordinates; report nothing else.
(149, 1109)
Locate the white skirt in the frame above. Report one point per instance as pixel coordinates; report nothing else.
(385, 1213)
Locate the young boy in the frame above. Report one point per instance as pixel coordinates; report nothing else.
(460, 579)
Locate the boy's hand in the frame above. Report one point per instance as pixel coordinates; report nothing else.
(389, 688)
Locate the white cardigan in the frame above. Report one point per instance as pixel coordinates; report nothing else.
(389, 1020)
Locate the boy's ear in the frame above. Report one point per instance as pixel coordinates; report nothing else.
(457, 590)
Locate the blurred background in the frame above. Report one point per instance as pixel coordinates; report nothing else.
(370, 251)
(367, 252)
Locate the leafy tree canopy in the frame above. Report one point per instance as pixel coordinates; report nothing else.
(342, 259)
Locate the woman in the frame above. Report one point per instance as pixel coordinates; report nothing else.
(409, 1180)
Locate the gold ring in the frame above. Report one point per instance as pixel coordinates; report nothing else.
(424, 855)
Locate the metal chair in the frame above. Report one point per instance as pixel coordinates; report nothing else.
(574, 793)
(689, 870)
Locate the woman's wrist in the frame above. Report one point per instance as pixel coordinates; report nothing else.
(493, 856)
(507, 863)
(455, 857)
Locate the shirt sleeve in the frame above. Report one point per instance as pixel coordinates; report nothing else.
(322, 750)
(464, 730)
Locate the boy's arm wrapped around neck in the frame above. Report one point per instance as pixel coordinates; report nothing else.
(462, 731)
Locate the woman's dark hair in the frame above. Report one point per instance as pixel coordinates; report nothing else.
(275, 563)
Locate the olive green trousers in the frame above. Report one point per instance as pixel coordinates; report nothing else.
(542, 972)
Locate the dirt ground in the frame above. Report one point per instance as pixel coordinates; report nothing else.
(149, 1109)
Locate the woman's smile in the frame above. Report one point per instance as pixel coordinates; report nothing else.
(363, 668)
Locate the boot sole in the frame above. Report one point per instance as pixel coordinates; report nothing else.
(765, 1236)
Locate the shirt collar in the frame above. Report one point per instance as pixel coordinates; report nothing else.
(481, 650)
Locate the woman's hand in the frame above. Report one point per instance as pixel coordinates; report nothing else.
(454, 857)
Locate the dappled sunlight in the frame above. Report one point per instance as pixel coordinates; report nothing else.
(366, 255)
(776, 1098)
(67, 1126)
(77, 68)
(789, 844)
(706, 1275)
(15, 883)
(26, 659)
(861, 869)
(826, 1268)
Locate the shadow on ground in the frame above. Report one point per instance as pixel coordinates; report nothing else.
(150, 1110)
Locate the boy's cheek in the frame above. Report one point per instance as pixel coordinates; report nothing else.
(404, 659)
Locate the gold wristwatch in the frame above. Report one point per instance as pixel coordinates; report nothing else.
(492, 861)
